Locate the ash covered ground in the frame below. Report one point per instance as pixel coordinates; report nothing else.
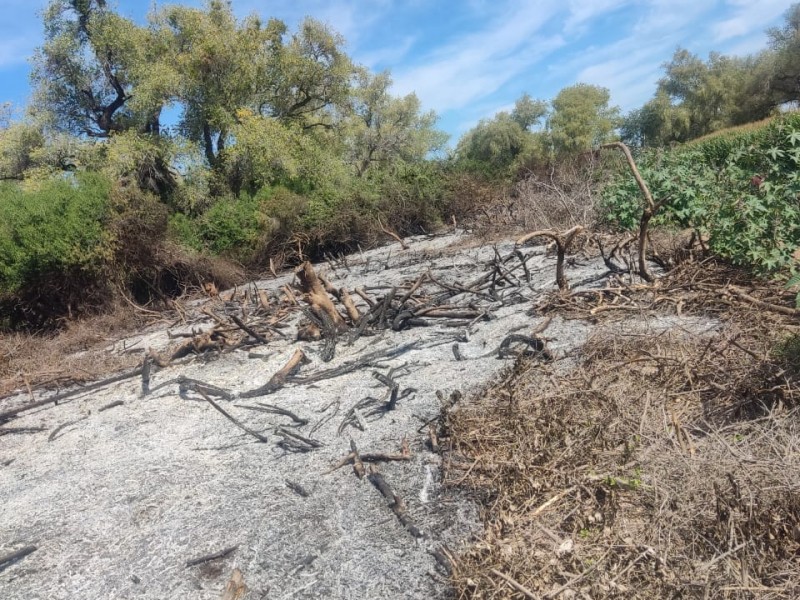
(117, 501)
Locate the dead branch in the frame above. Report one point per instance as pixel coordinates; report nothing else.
(111, 405)
(516, 585)
(9, 559)
(248, 330)
(351, 366)
(294, 442)
(231, 418)
(396, 503)
(784, 310)
(563, 241)
(209, 557)
(278, 380)
(276, 410)
(393, 235)
(650, 209)
(56, 398)
(297, 489)
(61, 427)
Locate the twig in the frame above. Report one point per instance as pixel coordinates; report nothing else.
(111, 405)
(232, 419)
(9, 559)
(516, 585)
(209, 557)
(53, 435)
(577, 578)
(276, 410)
(395, 502)
(297, 489)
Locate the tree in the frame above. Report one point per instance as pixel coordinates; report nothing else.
(18, 144)
(217, 62)
(85, 72)
(383, 129)
(494, 143)
(528, 112)
(785, 45)
(582, 119)
(312, 75)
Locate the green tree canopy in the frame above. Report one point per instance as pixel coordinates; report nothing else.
(383, 129)
(582, 118)
(86, 70)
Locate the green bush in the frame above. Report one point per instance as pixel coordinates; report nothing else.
(741, 188)
(185, 231)
(242, 227)
(54, 229)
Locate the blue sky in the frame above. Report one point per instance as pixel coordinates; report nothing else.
(469, 59)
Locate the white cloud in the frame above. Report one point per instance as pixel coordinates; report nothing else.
(583, 11)
(478, 63)
(350, 18)
(747, 17)
(386, 57)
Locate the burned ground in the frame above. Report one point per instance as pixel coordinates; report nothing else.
(312, 466)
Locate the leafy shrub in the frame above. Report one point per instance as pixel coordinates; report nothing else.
(412, 197)
(185, 231)
(57, 229)
(742, 189)
(243, 227)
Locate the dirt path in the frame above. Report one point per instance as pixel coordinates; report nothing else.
(117, 502)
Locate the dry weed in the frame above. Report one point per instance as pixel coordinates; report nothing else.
(649, 466)
(74, 354)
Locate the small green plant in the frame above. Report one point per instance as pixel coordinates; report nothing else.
(633, 483)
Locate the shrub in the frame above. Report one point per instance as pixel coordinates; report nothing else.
(55, 230)
(742, 188)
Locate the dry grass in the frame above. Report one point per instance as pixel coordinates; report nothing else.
(649, 466)
(72, 355)
(556, 198)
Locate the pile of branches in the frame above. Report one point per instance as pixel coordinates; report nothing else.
(664, 465)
